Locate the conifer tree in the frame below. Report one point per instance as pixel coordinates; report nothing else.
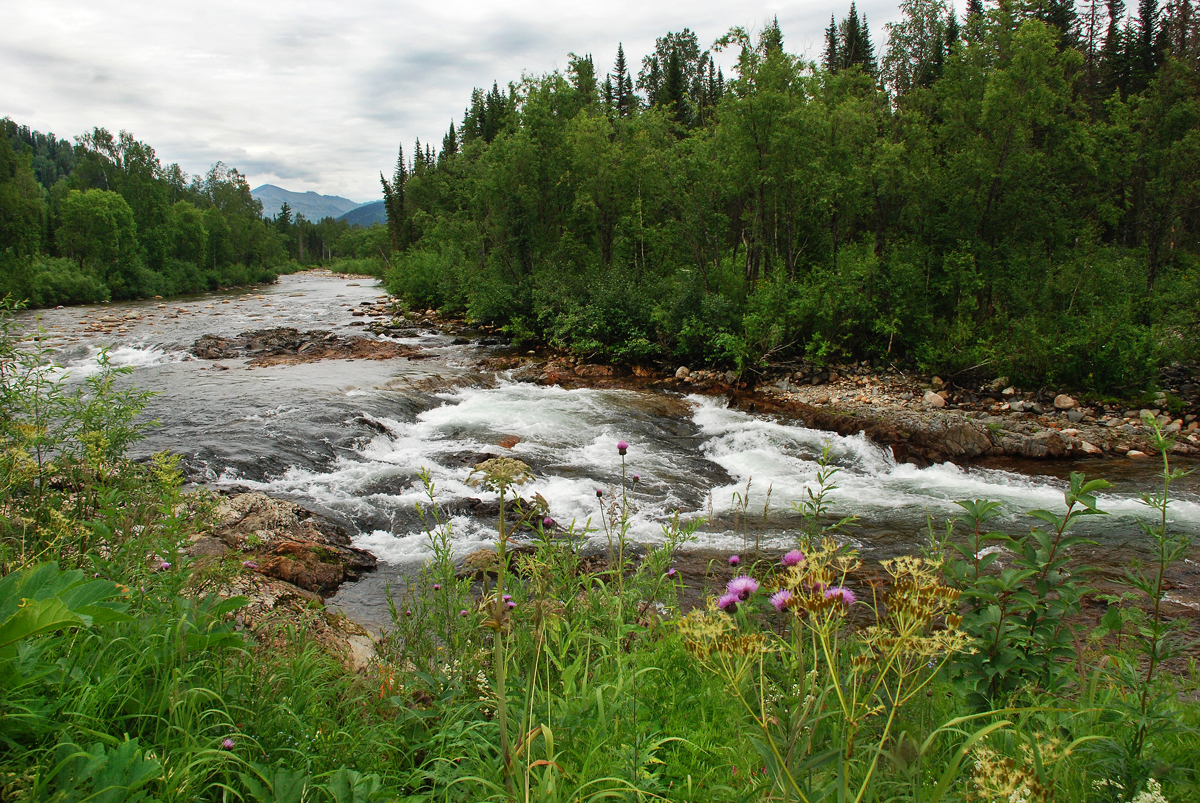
(449, 144)
(622, 84)
(393, 202)
(1146, 47)
(1115, 63)
(832, 58)
(771, 38)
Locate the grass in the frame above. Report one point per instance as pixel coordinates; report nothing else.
(950, 678)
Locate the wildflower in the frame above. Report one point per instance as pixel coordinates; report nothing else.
(511, 604)
(742, 587)
(228, 744)
(437, 586)
(599, 493)
(94, 576)
(734, 560)
(793, 558)
(164, 566)
(728, 603)
(781, 599)
(507, 597)
(841, 594)
(622, 447)
(408, 613)
(249, 564)
(547, 522)
(463, 612)
(637, 477)
(671, 573)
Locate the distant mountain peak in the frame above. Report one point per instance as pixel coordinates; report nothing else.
(312, 205)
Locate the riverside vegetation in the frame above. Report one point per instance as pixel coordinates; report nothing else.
(1014, 189)
(540, 672)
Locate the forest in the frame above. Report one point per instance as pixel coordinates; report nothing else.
(1013, 191)
(101, 218)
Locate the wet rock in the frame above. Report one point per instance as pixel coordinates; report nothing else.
(285, 345)
(287, 542)
(966, 441)
(682, 372)
(594, 370)
(1064, 402)
(931, 399)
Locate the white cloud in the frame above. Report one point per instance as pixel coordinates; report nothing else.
(317, 96)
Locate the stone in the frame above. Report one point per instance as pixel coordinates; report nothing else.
(1090, 448)
(822, 398)
(998, 384)
(594, 370)
(966, 441)
(1135, 454)
(1009, 391)
(1074, 416)
(682, 372)
(938, 383)
(1016, 406)
(1064, 402)
(931, 399)
(1172, 428)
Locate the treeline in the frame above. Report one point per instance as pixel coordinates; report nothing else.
(1015, 191)
(334, 242)
(102, 218)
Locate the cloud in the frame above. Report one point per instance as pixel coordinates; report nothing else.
(314, 95)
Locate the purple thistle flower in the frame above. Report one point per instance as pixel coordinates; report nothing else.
(164, 566)
(511, 604)
(622, 447)
(841, 594)
(507, 597)
(249, 564)
(463, 612)
(637, 477)
(734, 560)
(671, 573)
(782, 598)
(547, 522)
(728, 603)
(228, 744)
(742, 587)
(408, 613)
(793, 558)
(599, 493)
(437, 586)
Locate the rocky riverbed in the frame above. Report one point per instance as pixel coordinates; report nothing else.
(925, 419)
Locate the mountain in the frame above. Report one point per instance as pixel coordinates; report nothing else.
(366, 215)
(310, 204)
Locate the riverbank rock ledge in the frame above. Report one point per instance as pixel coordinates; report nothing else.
(286, 346)
(282, 540)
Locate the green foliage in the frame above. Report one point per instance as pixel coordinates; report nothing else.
(980, 205)
(105, 219)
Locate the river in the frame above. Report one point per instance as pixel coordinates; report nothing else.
(350, 437)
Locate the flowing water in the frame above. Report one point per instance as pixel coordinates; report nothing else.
(351, 439)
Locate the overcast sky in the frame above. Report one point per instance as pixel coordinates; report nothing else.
(317, 96)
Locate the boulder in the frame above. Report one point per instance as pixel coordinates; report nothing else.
(1075, 416)
(682, 372)
(998, 384)
(1089, 448)
(1064, 402)
(931, 399)
(966, 441)
(594, 370)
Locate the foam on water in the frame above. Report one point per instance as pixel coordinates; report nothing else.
(569, 438)
(135, 356)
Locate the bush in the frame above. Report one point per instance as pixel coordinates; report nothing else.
(61, 281)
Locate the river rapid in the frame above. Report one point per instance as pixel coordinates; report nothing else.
(350, 438)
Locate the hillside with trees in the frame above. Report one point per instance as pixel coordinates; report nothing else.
(1014, 191)
(101, 218)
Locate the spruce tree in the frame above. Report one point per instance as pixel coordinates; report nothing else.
(1146, 56)
(393, 202)
(1115, 61)
(674, 95)
(623, 84)
(833, 58)
(449, 144)
(771, 38)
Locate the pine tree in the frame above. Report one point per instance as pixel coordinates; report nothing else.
(771, 38)
(449, 145)
(393, 202)
(623, 84)
(1146, 56)
(974, 21)
(833, 58)
(1115, 67)
(673, 95)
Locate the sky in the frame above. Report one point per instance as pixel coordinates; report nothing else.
(318, 96)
